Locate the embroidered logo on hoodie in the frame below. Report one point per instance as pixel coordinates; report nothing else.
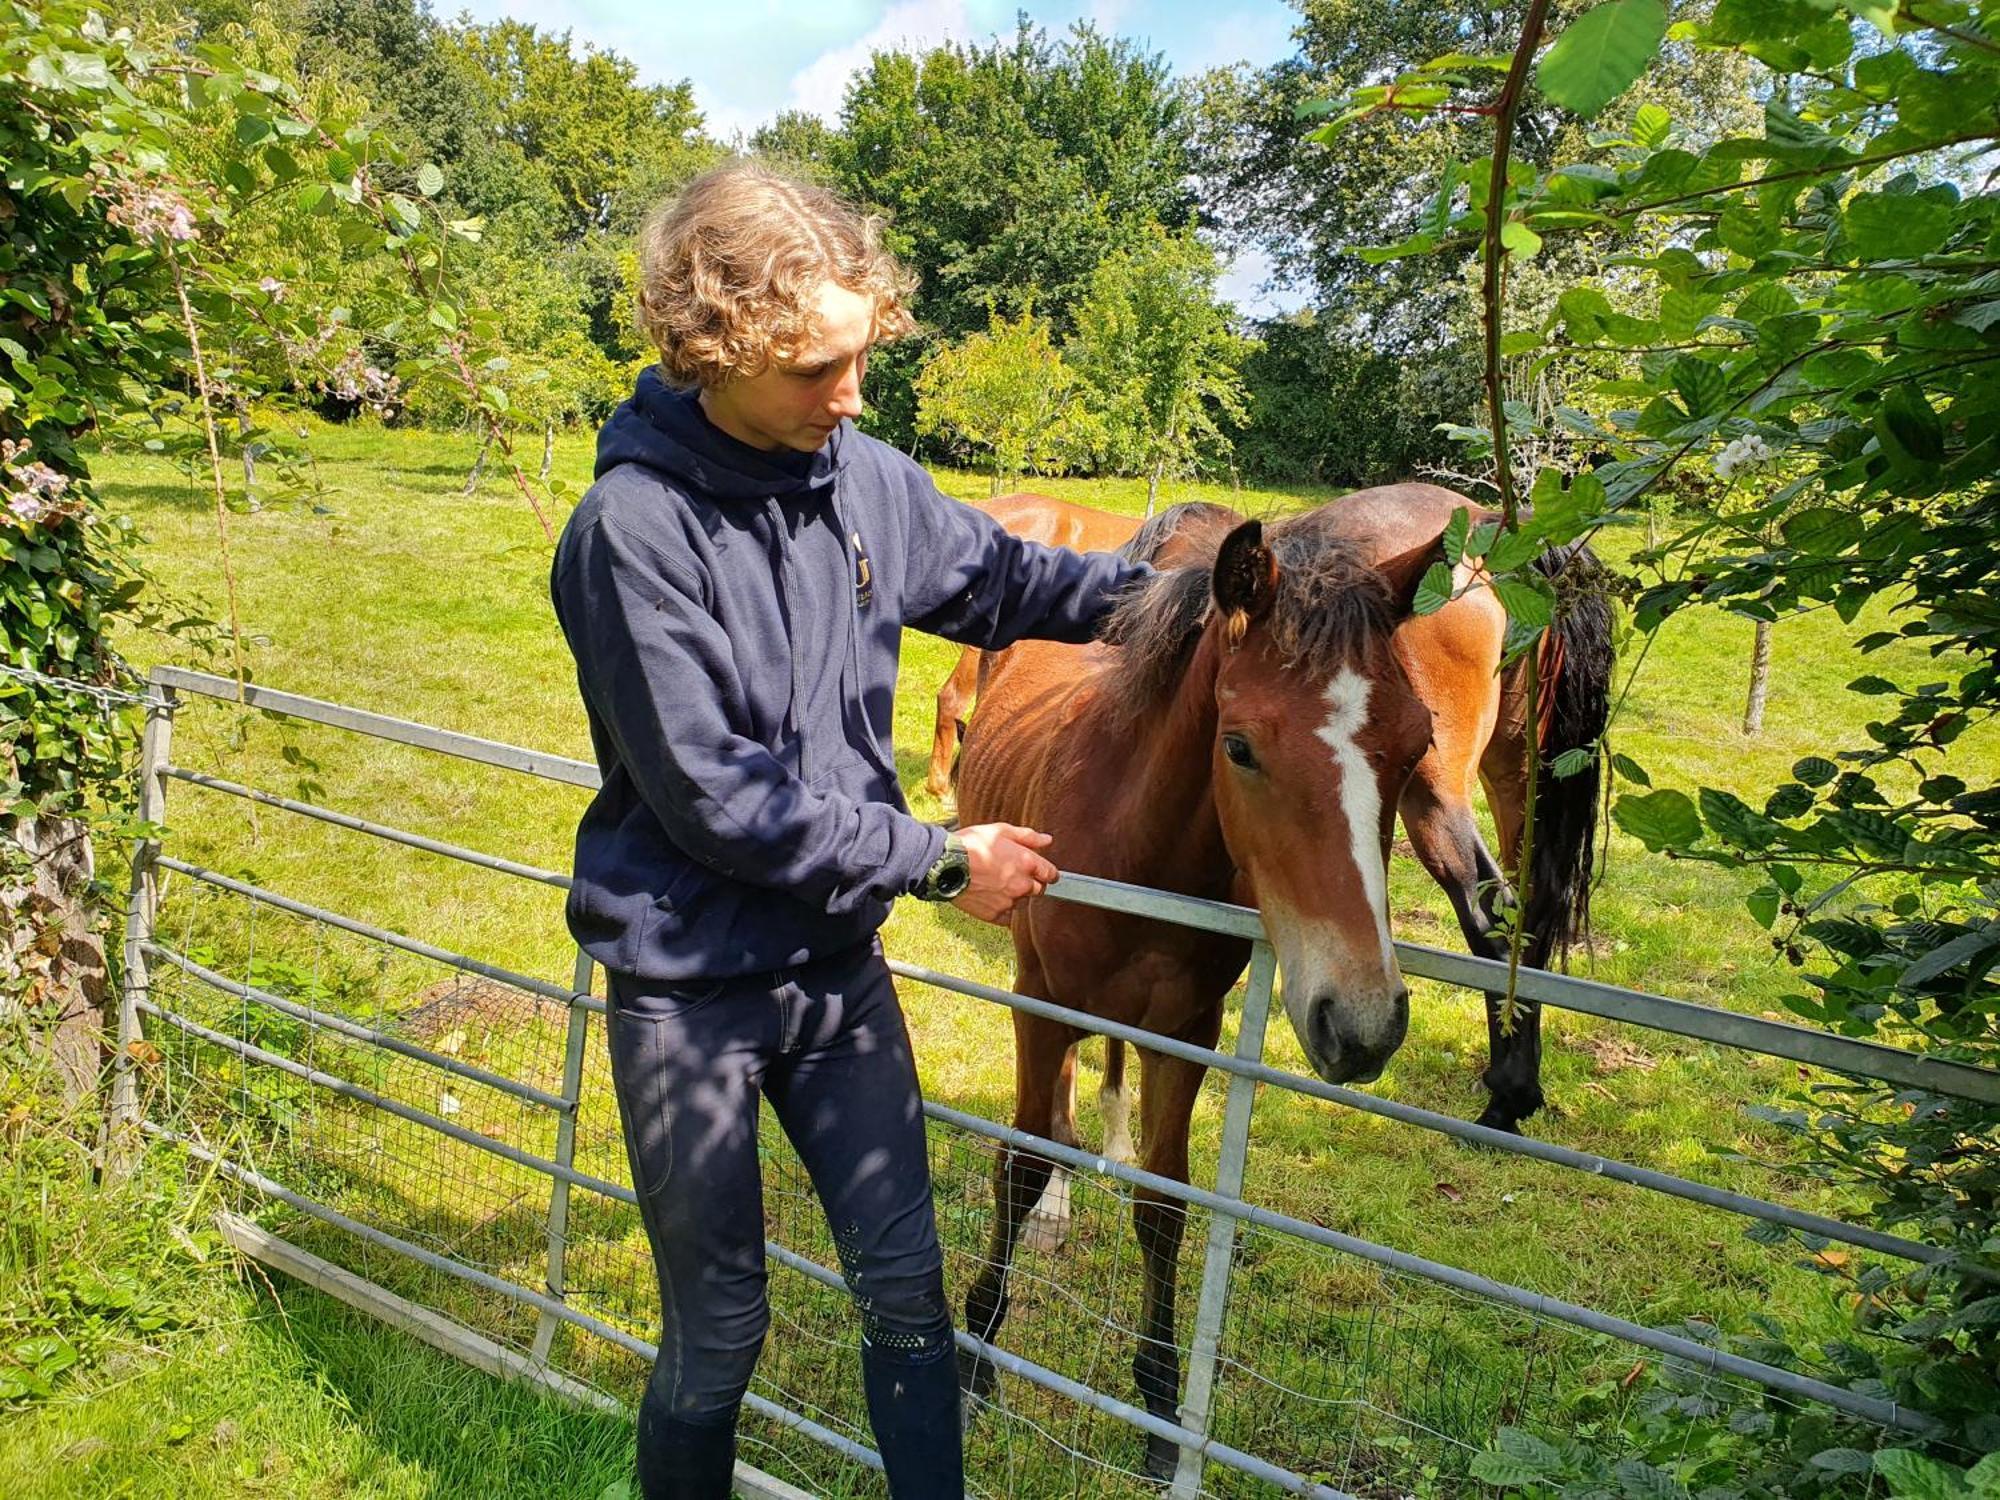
(864, 575)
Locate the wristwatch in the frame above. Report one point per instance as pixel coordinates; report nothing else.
(949, 877)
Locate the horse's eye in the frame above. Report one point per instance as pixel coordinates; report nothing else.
(1239, 752)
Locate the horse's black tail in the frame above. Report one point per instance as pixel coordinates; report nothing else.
(1574, 670)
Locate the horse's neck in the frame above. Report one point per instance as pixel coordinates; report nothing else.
(1165, 804)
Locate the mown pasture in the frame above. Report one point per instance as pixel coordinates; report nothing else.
(396, 593)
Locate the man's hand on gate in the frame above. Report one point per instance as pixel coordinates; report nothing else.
(1005, 869)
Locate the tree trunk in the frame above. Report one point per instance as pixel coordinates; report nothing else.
(249, 458)
(1153, 490)
(548, 448)
(479, 464)
(52, 964)
(1760, 679)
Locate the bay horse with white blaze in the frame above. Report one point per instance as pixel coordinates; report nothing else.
(1247, 731)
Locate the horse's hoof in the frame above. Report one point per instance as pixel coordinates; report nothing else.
(976, 1380)
(1045, 1234)
(1495, 1118)
(1046, 1229)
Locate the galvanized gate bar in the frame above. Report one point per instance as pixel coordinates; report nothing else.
(1096, 1400)
(1410, 1114)
(355, 1031)
(421, 949)
(382, 726)
(142, 903)
(1752, 1033)
(1198, 1403)
(1882, 1413)
(631, 1343)
(364, 1095)
(1728, 1028)
(1698, 1192)
(573, 1049)
(379, 830)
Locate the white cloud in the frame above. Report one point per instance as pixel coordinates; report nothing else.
(821, 84)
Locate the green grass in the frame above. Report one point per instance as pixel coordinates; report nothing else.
(402, 596)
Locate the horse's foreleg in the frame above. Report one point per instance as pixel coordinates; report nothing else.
(1166, 1098)
(1018, 1179)
(1047, 1227)
(953, 697)
(1446, 840)
(1514, 1075)
(1114, 1105)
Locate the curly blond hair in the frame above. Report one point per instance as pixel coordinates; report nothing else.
(729, 267)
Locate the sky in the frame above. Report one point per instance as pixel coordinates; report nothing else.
(750, 59)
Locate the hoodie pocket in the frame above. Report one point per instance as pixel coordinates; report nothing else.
(671, 907)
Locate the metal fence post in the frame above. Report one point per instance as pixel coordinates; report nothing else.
(142, 902)
(1198, 1401)
(572, 1093)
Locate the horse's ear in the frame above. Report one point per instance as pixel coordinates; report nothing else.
(1245, 579)
(1402, 573)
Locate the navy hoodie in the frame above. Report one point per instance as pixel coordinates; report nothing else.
(736, 617)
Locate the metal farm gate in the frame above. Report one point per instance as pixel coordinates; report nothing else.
(434, 1137)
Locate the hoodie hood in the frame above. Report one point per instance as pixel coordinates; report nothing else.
(666, 430)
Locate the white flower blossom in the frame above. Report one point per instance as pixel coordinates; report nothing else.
(1747, 452)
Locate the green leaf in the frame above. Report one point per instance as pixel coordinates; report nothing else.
(1681, 313)
(1650, 126)
(1909, 429)
(1703, 388)
(1641, 1481)
(1658, 819)
(1433, 590)
(1746, 231)
(1842, 1460)
(1525, 602)
(1519, 238)
(1416, 244)
(1453, 540)
(1895, 226)
(1814, 770)
(1504, 1470)
(1732, 819)
(1572, 762)
(1911, 1476)
(430, 179)
(1601, 54)
(1823, 531)
(1630, 769)
(1763, 904)
(1583, 309)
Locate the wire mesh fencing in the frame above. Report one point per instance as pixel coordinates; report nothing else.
(444, 1126)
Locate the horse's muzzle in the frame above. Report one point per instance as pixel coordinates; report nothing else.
(1346, 1047)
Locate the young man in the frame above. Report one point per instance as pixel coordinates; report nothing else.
(734, 588)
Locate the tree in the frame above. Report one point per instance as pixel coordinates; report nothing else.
(1007, 173)
(609, 144)
(1007, 391)
(1158, 359)
(1313, 209)
(143, 180)
(1821, 284)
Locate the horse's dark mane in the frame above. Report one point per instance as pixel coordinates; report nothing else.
(1329, 603)
(1190, 516)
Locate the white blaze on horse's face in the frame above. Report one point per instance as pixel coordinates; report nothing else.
(1307, 795)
